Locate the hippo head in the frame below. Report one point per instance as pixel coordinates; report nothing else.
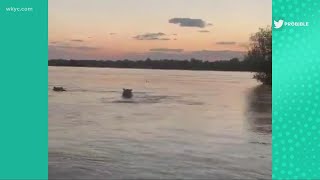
(127, 93)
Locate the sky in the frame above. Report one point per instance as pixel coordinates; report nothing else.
(157, 29)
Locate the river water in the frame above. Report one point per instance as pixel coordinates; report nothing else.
(179, 125)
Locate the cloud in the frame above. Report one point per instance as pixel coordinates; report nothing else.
(85, 48)
(226, 43)
(68, 47)
(71, 53)
(112, 33)
(204, 31)
(77, 40)
(151, 36)
(59, 43)
(71, 46)
(166, 50)
(188, 22)
(209, 24)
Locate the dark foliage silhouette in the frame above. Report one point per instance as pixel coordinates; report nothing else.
(233, 64)
(260, 55)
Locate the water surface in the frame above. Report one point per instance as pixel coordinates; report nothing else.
(179, 124)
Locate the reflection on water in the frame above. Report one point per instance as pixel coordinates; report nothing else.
(260, 109)
(179, 125)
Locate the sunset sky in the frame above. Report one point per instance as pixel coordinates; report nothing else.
(138, 29)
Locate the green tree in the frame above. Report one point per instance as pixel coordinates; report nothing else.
(260, 55)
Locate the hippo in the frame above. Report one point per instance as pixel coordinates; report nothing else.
(58, 89)
(127, 93)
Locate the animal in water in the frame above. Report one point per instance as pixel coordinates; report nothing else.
(58, 89)
(127, 93)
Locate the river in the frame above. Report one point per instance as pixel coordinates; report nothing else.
(179, 125)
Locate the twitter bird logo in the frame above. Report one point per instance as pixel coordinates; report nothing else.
(278, 24)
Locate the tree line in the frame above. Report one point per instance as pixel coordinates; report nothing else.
(233, 64)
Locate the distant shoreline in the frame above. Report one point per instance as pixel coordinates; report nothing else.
(233, 65)
(150, 69)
